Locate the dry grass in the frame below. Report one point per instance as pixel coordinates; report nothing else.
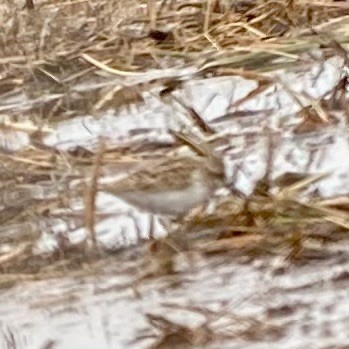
(44, 50)
(48, 50)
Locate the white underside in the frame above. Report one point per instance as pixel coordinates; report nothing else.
(169, 202)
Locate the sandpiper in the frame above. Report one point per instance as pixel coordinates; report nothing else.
(170, 186)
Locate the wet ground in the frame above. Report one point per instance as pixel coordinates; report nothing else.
(228, 301)
(264, 304)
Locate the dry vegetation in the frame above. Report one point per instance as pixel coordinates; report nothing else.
(51, 48)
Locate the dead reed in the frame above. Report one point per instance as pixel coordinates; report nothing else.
(50, 49)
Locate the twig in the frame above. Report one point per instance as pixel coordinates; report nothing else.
(91, 196)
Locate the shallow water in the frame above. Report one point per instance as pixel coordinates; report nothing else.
(288, 306)
(301, 306)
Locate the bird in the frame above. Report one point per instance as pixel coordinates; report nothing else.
(170, 186)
